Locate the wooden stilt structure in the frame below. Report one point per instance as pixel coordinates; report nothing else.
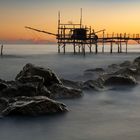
(78, 35)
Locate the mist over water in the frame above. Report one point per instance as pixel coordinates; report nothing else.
(107, 115)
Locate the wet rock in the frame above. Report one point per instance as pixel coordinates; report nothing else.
(127, 71)
(31, 79)
(72, 84)
(36, 82)
(94, 84)
(100, 70)
(3, 105)
(9, 92)
(93, 73)
(33, 106)
(113, 68)
(126, 64)
(120, 80)
(31, 90)
(137, 61)
(26, 89)
(48, 75)
(63, 92)
(3, 86)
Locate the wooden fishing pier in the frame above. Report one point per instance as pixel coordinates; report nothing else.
(81, 37)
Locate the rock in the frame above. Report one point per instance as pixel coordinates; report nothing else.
(29, 70)
(3, 105)
(31, 79)
(126, 64)
(43, 91)
(120, 80)
(137, 61)
(31, 90)
(72, 84)
(93, 73)
(94, 84)
(3, 86)
(9, 89)
(63, 92)
(36, 82)
(9, 92)
(113, 68)
(33, 106)
(127, 71)
(15, 89)
(132, 70)
(100, 70)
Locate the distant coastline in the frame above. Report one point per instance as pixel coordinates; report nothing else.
(27, 41)
(41, 43)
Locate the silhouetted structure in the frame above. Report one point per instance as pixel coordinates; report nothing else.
(80, 36)
(77, 35)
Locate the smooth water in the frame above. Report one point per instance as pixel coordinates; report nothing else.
(106, 115)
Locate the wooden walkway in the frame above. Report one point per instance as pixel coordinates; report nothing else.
(121, 40)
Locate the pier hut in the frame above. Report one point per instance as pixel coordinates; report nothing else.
(76, 34)
(80, 36)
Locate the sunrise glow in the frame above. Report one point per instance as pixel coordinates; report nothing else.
(120, 16)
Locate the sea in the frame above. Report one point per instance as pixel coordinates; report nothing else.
(105, 115)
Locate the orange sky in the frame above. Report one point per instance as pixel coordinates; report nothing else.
(119, 17)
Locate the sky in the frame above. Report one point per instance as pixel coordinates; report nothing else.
(118, 16)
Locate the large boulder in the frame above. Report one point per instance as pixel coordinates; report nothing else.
(30, 70)
(3, 104)
(113, 68)
(98, 70)
(120, 80)
(35, 79)
(3, 85)
(63, 92)
(94, 84)
(93, 73)
(33, 106)
(126, 64)
(72, 84)
(137, 61)
(14, 89)
(127, 71)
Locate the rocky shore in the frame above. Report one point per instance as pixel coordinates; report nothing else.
(35, 90)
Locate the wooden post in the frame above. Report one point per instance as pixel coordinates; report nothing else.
(126, 46)
(120, 43)
(111, 47)
(64, 40)
(90, 48)
(96, 48)
(74, 49)
(2, 50)
(103, 42)
(84, 50)
(64, 48)
(58, 48)
(79, 48)
(58, 31)
(118, 47)
(125, 39)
